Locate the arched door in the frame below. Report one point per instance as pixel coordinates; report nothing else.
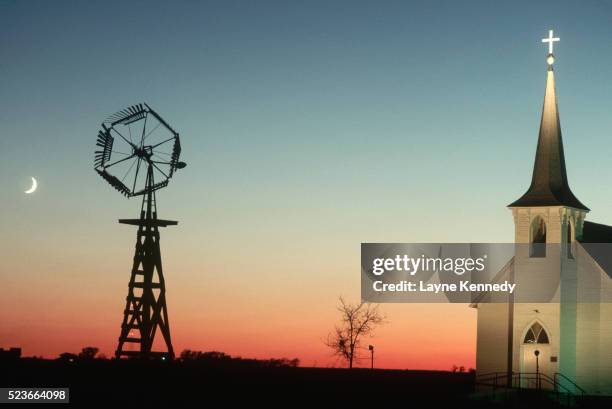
(536, 358)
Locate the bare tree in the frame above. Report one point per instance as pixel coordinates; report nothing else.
(358, 320)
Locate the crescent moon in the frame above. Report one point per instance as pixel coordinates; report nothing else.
(33, 188)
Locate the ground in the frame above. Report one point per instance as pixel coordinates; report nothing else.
(198, 384)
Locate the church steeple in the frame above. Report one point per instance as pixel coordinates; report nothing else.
(549, 185)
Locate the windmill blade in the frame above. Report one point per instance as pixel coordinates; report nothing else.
(105, 141)
(128, 115)
(151, 189)
(160, 119)
(114, 182)
(176, 153)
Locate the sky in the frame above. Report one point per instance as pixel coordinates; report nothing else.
(308, 128)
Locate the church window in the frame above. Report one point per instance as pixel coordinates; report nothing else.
(536, 335)
(538, 238)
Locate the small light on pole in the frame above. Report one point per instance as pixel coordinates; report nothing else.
(371, 348)
(537, 355)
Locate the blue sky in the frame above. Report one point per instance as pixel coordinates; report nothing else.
(376, 107)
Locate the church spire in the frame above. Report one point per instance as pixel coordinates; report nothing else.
(549, 185)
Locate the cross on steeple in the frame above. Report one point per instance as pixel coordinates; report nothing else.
(550, 40)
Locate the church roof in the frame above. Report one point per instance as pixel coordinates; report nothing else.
(595, 240)
(549, 185)
(595, 233)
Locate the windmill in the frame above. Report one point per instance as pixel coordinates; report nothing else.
(138, 154)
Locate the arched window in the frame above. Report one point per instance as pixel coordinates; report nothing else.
(538, 238)
(569, 240)
(536, 335)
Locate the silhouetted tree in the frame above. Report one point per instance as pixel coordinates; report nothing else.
(221, 358)
(68, 356)
(282, 363)
(357, 321)
(189, 355)
(88, 353)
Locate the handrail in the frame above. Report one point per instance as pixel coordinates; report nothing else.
(496, 377)
(559, 374)
(502, 375)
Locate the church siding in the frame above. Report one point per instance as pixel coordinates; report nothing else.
(492, 338)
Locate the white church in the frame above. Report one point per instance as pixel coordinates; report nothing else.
(567, 344)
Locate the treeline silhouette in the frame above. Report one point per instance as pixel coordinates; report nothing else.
(203, 379)
(209, 358)
(221, 358)
(87, 353)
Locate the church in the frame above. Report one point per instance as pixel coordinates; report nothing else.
(564, 345)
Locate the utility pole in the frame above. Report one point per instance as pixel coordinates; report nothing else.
(371, 348)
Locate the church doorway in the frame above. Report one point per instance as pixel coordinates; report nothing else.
(536, 369)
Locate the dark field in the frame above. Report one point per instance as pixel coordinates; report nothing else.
(195, 384)
(110, 383)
